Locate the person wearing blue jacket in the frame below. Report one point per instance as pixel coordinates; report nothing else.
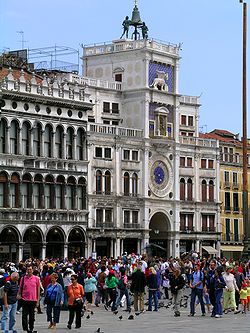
(89, 288)
(53, 298)
(152, 283)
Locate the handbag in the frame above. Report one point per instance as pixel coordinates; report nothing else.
(77, 301)
(47, 299)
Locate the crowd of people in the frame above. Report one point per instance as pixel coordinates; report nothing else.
(78, 285)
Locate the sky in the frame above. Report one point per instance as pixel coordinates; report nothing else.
(210, 30)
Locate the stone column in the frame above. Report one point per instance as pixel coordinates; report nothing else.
(31, 139)
(121, 247)
(64, 147)
(112, 247)
(118, 247)
(74, 155)
(53, 147)
(93, 245)
(139, 246)
(197, 245)
(65, 250)
(20, 251)
(7, 143)
(170, 248)
(43, 251)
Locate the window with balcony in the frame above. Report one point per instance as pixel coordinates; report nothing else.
(37, 140)
(15, 191)
(211, 191)
(126, 216)
(182, 189)
(107, 183)
(134, 184)
(236, 202)
(226, 179)
(204, 223)
(186, 222)
(210, 164)
(126, 183)
(48, 141)
(134, 155)
(182, 222)
(115, 108)
(106, 107)
(204, 191)
(183, 120)
(126, 154)
(228, 230)
(189, 190)
(189, 162)
(227, 202)
(99, 217)
(14, 137)
(59, 142)
(3, 135)
(69, 142)
(190, 121)
(182, 161)
(135, 215)
(235, 180)
(108, 216)
(118, 77)
(203, 163)
(236, 230)
(98, 182)
(82, 193)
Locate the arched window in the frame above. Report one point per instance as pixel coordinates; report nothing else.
(107, 184)
(14, 128)
(98, 182)
(3, 136)
(80, 144)
(70, 193)
(189, 190)
(211, 191)
(69, 142)
(126, 183)
(59, 142)
(182, 189)
(38, 191)
(37, 140)
(27, 192)
(81, 194)
(48, 142)
(204, 191)
(134, 184)
(4, 190)
(26, 138)
(60, 192)
(49, 192)
(15, 191)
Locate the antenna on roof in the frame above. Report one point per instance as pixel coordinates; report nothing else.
(22, 38)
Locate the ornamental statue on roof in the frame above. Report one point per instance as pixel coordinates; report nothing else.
(136, 23)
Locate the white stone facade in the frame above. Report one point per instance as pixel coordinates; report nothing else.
(149, 177)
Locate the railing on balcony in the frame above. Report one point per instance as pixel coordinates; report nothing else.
(186, 229)
(232, 238)
(227, 209)
(114, 130)
(131, 226)
(198, 142)
(208, 229)
(38, 215)
(104, 225)
(227, 184)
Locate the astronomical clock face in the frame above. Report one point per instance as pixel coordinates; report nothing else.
(159, 178)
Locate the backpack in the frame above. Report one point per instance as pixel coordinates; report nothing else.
(121, 285)
(2, 290)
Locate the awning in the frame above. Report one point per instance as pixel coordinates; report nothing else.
(232, 248)
(210, 249)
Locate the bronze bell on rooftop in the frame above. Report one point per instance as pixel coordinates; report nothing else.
(136, 16)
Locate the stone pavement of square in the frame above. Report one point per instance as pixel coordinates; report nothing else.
(148, 322)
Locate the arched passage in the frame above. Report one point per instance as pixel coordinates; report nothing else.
(55, 243)
(76, 243)
(32, 243)
(9, 241)
(159, 234)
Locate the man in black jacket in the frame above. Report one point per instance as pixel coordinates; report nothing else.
(177, 283)
(138, 288)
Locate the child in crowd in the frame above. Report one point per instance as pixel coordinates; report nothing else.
(243, 297)
(248, 294)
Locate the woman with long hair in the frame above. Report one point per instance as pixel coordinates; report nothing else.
(152, 283)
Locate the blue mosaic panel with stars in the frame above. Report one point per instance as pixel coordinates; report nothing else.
(153, 67)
